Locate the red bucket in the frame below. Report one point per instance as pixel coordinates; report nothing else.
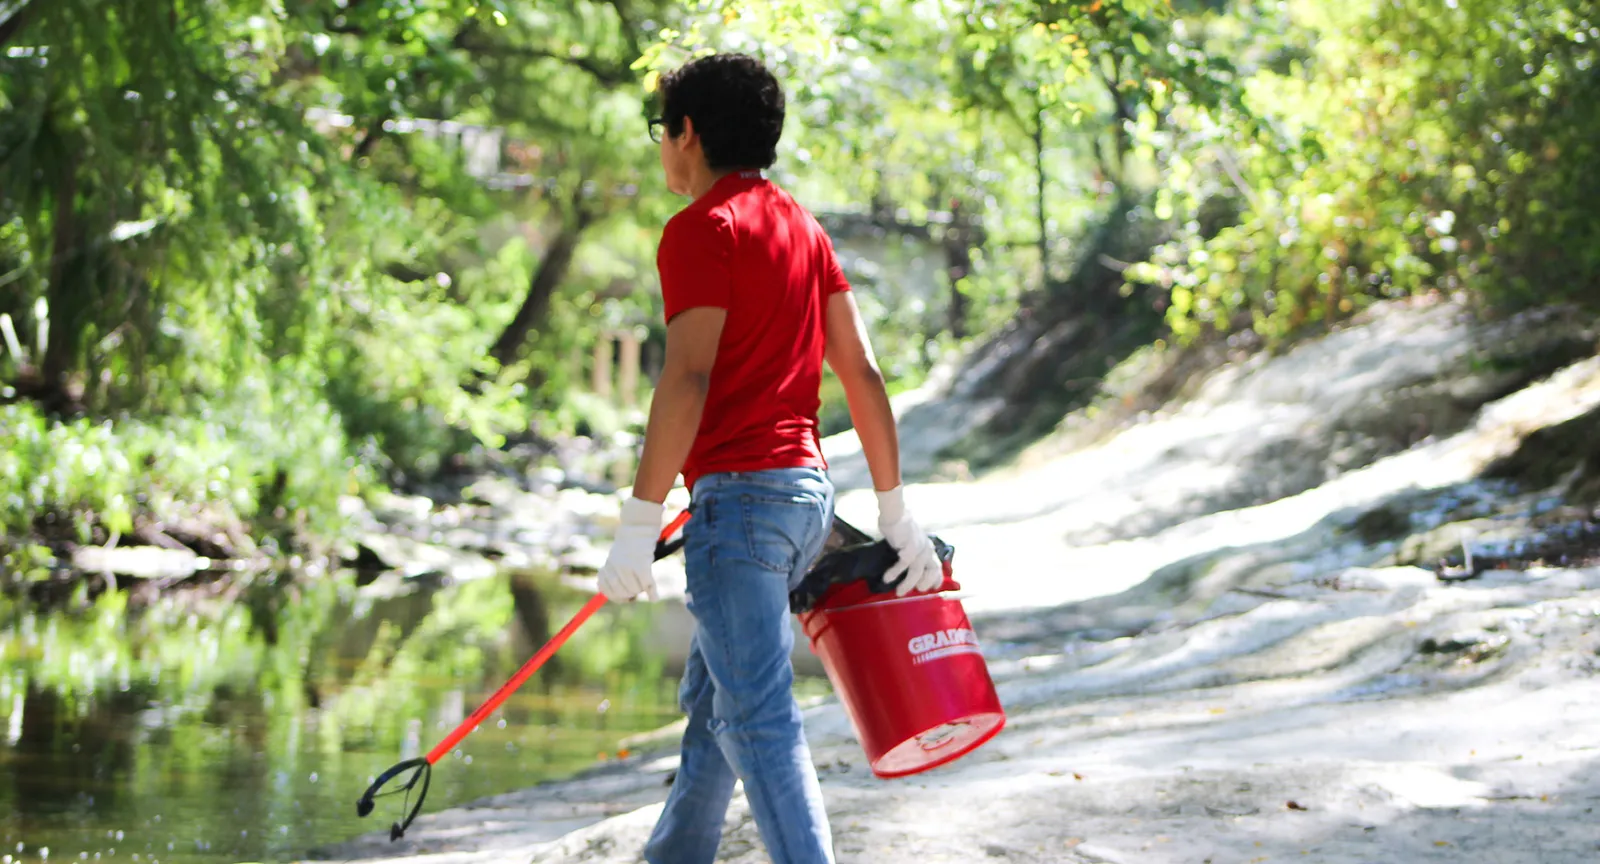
(909, 673)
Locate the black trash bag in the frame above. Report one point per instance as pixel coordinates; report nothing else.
(853, 562)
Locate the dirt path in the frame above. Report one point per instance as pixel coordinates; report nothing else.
(1193, 676)
(1395, 720)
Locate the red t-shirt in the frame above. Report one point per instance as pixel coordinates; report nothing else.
(749, 248)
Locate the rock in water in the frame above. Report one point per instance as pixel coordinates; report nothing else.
(139, 562)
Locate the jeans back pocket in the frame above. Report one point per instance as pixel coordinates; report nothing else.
(779, 527)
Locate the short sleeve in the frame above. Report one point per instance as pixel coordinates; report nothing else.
(695, 261)
(833, 280)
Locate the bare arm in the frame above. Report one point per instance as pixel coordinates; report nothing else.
(680, 399)
(849, 355)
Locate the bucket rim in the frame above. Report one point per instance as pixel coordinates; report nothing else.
(952, 756)
(955, 596)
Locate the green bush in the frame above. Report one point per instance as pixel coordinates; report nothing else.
(227, 464)
(1404, 146)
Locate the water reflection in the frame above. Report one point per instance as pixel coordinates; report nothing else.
(244, 727)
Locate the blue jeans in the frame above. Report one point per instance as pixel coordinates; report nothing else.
(752, 538)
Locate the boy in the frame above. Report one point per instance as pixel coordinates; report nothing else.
(755, 302)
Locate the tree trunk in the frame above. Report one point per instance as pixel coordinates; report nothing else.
(958, 264)
(369, 140)
(66, 310)
(1121, 116)
(546, 278)
(531, 607)
(1044, 231)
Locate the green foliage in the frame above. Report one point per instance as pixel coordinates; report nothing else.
(1020, 113)
(84, 474)
(265, 220)
(227, 224)
(1408, 147)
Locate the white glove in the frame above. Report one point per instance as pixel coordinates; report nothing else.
(626, 573)
(919, 567)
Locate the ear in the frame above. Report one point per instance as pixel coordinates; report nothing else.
(689, 136)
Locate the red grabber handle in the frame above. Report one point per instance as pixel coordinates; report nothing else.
(538, 659)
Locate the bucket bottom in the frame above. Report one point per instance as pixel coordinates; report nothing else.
(941, 744)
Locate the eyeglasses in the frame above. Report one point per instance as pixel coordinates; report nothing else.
(656, 124)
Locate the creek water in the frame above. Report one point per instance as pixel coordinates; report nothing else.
(243, 725)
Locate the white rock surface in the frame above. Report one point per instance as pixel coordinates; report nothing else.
(1255, 684)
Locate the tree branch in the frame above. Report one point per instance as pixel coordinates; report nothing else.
(15, 21)
(1119, 123)
(345, 29)
(369, 140)
(629, 32)
(546, 279)
(606, 74)
(375, 132)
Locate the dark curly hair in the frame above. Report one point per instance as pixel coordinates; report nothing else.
(737, 107)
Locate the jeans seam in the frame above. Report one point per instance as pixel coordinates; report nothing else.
(742, 745)
(761, 776)
(812, 548)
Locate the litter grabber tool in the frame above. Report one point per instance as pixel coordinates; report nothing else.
(419, 772)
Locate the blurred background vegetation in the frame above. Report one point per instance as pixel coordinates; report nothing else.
(254, 257)
(261, 261)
